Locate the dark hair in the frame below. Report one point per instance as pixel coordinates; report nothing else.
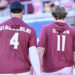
(16, 7)
(59, 12)
(52, 5)
(45, 3)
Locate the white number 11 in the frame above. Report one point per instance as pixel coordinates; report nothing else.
(58, 42)
(14, 40)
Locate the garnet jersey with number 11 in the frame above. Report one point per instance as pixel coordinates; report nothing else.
(57, 39)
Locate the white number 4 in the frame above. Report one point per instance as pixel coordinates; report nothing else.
(14, 40)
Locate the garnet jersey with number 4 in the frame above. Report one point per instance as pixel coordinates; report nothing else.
(15, 39)
(57, 39)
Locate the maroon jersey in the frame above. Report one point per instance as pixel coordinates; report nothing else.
(15, 39)
(57, 39)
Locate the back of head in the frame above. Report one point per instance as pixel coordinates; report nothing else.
(59, 12)
(16, 7)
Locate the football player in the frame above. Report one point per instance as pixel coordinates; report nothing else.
(17, 45)
(56, 45)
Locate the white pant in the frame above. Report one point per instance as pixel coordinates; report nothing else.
(26, 73)
(64, 71)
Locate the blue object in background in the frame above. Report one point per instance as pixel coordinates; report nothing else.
(37, 25)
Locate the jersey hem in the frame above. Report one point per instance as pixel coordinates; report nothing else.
(54, 70)
(18, 71)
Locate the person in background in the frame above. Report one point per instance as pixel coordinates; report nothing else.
(3, 7)
(37, 6)
(29, 6)
(56, 45)
(18, 45)
(48, 6)
(71, 16)
(4, 11)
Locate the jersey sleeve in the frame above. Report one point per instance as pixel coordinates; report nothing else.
(73, 35)
(43, 38)
(33, 39)
(74, 45)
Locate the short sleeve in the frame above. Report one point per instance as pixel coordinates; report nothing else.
(74, 45)
(73, 35)
(33, 40)
(42, 39)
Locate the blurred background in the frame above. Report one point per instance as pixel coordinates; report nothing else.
(38, 12)
(36, 6)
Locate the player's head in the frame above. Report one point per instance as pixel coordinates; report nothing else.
(48, 6)
(59, 12)
(16, 9)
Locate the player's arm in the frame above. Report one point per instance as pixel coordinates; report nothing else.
(42, 43)
(33, 54)
(74, 52)
(74, 59)
(34, 58)
(41, 53)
